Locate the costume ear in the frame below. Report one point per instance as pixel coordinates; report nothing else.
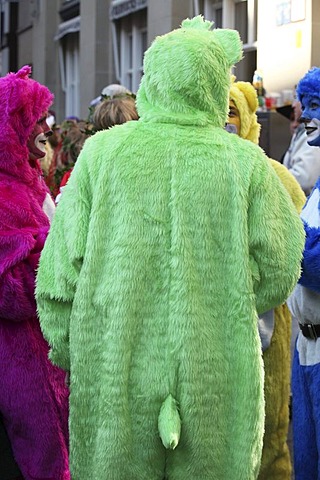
(250, 93)
(24, 72)
(231, 43)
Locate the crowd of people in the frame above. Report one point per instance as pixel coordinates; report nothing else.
(151, 267)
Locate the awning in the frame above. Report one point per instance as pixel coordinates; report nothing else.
(70, 26)
(121, 8)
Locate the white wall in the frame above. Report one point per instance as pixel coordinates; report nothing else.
(284, 52)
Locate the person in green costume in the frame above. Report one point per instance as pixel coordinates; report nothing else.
(171, 236)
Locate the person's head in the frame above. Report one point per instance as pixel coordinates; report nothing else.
(243, 104)
(114, 111)
(187, 75)
(38, 138)
(234, 116)
(295, 116)
(24, 105)
(296, 105)
(112, 90)
(73, 133)
(308, 92)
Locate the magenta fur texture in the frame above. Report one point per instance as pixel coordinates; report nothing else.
(33, 394)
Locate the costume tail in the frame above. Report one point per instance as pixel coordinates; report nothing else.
(169, 423)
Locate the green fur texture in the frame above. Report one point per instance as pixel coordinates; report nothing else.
(187, 75)
(169, 423)
(145, 289)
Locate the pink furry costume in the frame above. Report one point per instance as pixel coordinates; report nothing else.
(33, 395)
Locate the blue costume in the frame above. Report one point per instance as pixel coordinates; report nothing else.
(304, 304)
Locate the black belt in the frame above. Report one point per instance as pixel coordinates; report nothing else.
(310, 330)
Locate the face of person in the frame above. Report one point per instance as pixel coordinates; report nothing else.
(234, 116)
(38, 138)
(310, 106)
(295, 122)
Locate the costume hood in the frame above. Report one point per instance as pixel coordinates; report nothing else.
(22, 102)
(245, 99)
(187, 75)
(309, 84)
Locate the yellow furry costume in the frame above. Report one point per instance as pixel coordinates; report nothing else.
(276, 464)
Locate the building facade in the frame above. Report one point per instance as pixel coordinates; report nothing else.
(76, 47)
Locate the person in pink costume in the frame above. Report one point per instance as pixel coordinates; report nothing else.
(33, 393)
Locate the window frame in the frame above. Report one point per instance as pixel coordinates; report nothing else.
(208, 8)
(129, 44)
(69, 59)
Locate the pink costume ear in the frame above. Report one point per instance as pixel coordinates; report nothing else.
(24, 72)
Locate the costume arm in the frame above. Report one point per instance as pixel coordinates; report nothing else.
(60, 264)
(19, 255)
(276, 238)
(310, 276)
(291, 184)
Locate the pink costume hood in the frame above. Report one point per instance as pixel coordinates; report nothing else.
(22, 102)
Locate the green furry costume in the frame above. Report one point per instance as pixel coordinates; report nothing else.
(171, 234)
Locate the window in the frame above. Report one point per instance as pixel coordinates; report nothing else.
(218, 17)
(68, 37)
(245, 21)
(69, 66)
(198, 7)
(241, 20)
(211, 10)
(240, 15)
(130, 42)
(4, 31)
(72, 75)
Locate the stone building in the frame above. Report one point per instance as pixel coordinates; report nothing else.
(76, 47)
